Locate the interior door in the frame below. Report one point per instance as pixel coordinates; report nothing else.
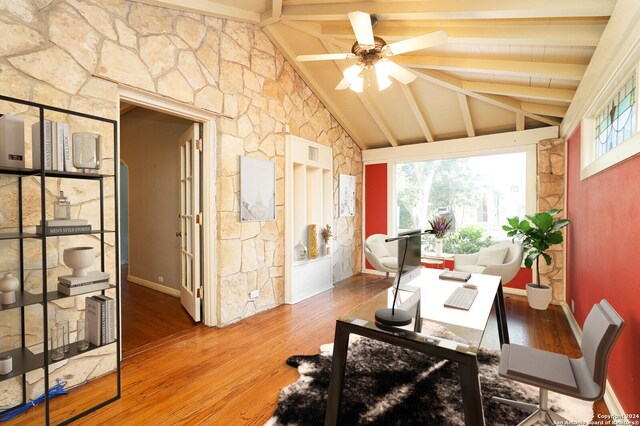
(190, 220)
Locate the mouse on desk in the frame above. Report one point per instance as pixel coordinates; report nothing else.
(469, 285)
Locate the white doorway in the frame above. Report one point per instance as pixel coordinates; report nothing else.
(207, 226)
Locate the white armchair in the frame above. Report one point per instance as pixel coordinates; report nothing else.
(502, 259)
(381, 255)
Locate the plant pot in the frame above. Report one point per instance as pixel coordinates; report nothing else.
(438, 247)
(538, 297)
(79, 259)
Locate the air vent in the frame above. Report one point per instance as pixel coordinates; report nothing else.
(313, 153)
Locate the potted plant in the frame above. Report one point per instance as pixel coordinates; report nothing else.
(537, 233)
(326, 236)
(439, 226)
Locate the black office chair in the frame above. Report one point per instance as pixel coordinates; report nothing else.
(583, 378)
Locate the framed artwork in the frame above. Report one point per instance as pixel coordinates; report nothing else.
(347, 195)
(257, 189)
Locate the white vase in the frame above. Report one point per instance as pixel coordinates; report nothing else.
(538, 297)
(8, 285)
(327, 248)
(79, 259)
(438, 248)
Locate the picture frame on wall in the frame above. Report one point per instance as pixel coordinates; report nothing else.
(257, 190)
(347, 195)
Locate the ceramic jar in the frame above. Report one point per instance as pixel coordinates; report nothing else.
(8, 285)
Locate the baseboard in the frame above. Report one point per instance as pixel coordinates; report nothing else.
(154, 286)
(610, 398)
(518, 291)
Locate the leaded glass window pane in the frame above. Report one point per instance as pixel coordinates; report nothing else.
(616, 122)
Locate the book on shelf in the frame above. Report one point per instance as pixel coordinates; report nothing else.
(455, 276)
(91, 277)
(66, 222)
(108, 319)
(74, 290)
(36, 143)
(63, 230)
(93, 314)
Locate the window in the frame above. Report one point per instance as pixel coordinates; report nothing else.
(476, 193)
(616, 121)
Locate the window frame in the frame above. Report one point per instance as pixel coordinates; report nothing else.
(589, 164)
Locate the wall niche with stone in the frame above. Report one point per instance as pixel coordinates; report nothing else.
(34, 255)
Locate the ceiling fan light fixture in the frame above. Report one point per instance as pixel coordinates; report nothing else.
(352, 73)
(357, 85)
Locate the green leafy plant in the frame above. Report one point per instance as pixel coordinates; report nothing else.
(537, 233)
(469, 239)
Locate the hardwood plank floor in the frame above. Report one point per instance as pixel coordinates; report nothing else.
(149, 317)
(233, 375)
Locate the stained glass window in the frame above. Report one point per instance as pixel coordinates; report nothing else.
(616, 122)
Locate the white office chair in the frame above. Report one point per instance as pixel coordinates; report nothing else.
(502, 259)
(381, 255)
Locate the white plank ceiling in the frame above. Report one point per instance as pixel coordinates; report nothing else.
(507, 65)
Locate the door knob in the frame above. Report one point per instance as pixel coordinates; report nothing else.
(178, 234)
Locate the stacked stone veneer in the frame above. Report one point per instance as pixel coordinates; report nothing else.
(551, 193)
(74, 53)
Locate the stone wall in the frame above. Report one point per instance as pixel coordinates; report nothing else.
(551, 193)
(74, 53)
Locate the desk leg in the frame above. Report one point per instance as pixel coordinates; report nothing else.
(501, 316)
(418, 324)
(471, 393)
(338, 364)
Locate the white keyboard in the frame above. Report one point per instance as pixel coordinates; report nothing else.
(461, 298)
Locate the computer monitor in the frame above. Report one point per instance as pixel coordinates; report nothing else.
(412, 259)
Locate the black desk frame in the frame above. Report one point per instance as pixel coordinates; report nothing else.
(467, 363)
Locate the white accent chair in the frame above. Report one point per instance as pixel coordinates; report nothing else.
(502, 259)
(381, 255)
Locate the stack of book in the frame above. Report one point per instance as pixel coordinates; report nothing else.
(64, 227)
(100, 311)
(93, 281)
(57, 148)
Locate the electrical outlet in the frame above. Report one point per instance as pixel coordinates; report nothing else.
(254, 294)
(160, 280)
(573, 307)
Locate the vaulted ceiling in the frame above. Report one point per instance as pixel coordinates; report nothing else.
(507, 65)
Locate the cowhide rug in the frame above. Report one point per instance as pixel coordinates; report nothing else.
(388, 385)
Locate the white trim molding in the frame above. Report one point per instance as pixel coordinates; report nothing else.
(154, 286)
(610, 398)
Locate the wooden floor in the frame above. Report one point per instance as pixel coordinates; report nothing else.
(149, 317)
(233, 375)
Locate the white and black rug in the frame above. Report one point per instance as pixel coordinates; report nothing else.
(388, 385)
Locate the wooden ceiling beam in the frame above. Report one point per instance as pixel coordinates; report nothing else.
(207, 7)
(560, 95)
(466, 114)
(519, 121)
(367, 102)
(301, 68)
(455, 84)
(315, 30)
(550, 110)
(418, 114)
(494, 66)
(446, 9)
(548, 35)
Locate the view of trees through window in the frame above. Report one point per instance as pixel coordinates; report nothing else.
(477, 193)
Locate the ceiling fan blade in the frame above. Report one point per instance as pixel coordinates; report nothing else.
(401, 74)
(324, 57)
(417, 43)
(361, 23)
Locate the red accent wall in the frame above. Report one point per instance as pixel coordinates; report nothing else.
(602, 262)
(375, 200)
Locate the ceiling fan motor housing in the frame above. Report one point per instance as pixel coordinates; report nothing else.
(368, 57)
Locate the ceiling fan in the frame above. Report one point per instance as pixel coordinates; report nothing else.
(373, 53)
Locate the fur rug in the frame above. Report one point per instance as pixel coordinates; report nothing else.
(388, 385)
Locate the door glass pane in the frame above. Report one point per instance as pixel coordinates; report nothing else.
(187, 240)
(187, 206)
(183, 272)
(189, 262)
(477, 193)
(188, 159)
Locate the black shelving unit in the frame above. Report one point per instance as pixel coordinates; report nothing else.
(24, 360)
